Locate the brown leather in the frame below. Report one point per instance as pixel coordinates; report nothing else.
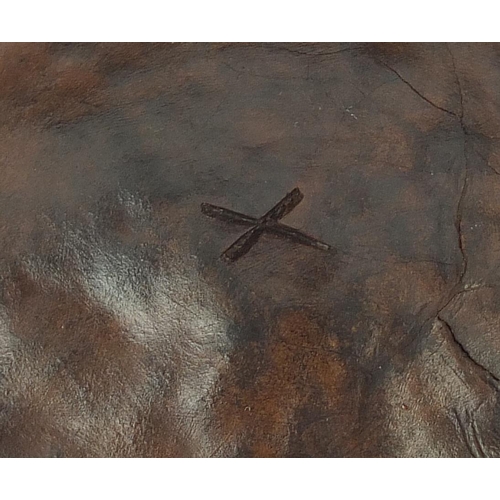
(123, 332)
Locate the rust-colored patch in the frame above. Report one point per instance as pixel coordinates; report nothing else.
(299, 359)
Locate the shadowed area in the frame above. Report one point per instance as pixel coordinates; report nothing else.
(128, 169)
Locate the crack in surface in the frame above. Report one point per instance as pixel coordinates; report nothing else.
(458, 221)
(459, 211)
(461, 115)
(486, 162)
(428, 101)
(463, 191)
(454, 295)
(490, 377)
(458, 227)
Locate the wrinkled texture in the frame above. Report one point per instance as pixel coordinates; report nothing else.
(122, 331)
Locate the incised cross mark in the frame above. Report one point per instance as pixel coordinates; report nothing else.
(268, 223)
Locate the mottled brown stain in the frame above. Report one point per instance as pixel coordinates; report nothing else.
(51, 84)
(64, 326)
(116, 146)
(297, 360)
(38, 87)
(70, 351)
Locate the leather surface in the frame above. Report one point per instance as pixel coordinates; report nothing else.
(123, 332)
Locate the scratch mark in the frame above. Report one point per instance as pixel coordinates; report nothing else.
(477, 438)
(470, 447)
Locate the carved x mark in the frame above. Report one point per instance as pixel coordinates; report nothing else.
(268, 223)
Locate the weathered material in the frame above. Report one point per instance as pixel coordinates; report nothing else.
(122, 332)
